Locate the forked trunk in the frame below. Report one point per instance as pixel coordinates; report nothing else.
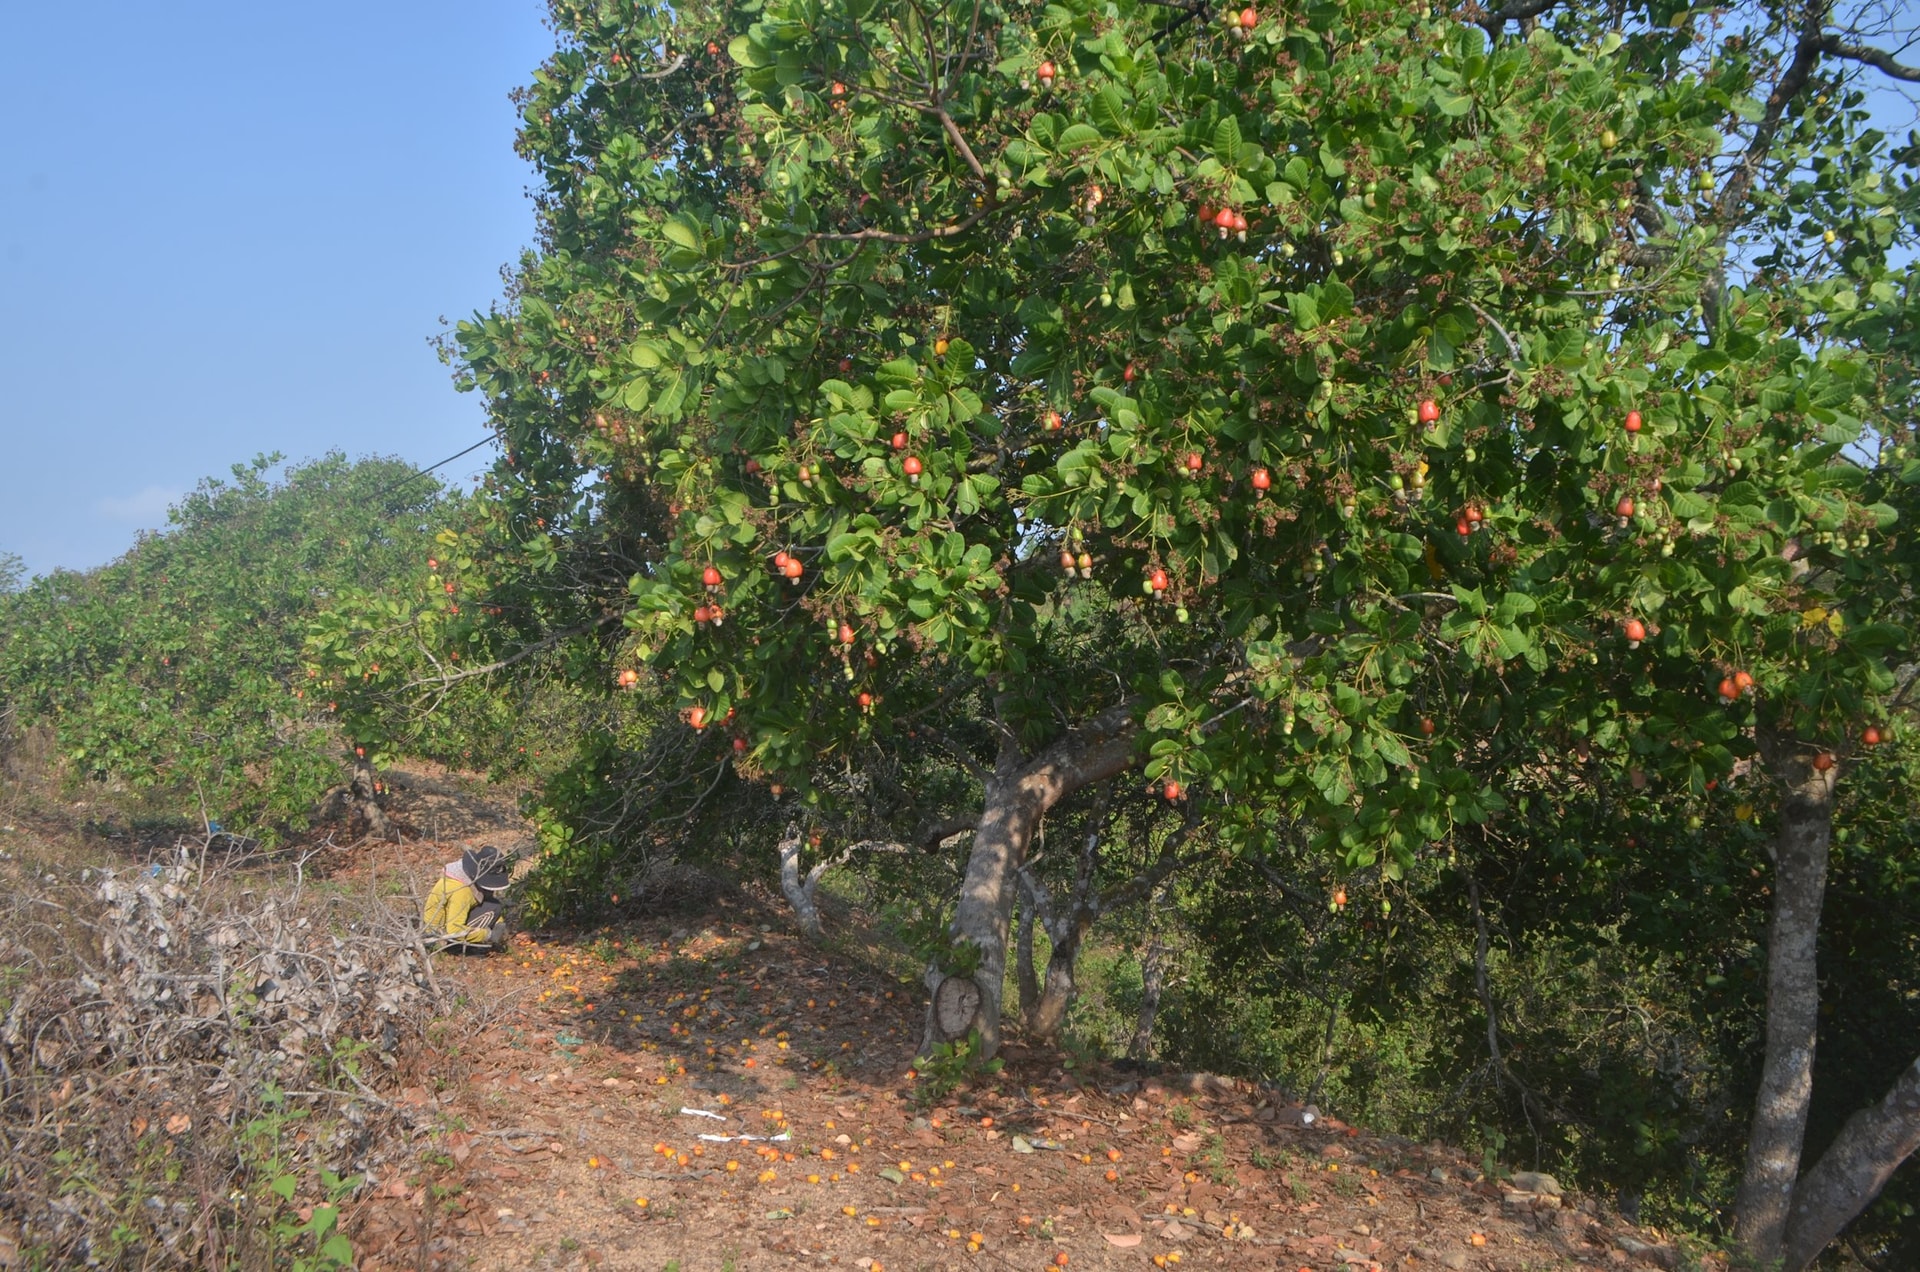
(1045, 1008)
(799, 892)
(803, 890)
(1018, 794)
(1045, 1013)
(1853, 1170)
(1779, 1127)
(1056, 995)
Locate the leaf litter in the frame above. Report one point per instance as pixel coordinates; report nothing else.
(566, 1144)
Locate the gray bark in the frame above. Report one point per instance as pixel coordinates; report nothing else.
(366, 798)
(1068, 931)
(1153, 982)
(1853, 1170)
(802, 891)
(1023, 974)
(1018, 794)
(1046, 1012)
(1800, 851)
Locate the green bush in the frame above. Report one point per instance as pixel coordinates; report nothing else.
(174, 672)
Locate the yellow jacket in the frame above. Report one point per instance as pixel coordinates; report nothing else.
(447, 908)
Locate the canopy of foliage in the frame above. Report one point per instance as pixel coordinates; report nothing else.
(176, 670)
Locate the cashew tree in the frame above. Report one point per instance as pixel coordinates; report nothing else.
(1248, 400)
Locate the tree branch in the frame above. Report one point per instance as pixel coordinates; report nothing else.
(1878, 59)
(1518, 11)
(1806, 57)
(538, 647)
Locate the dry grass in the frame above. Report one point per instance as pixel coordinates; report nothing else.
(198, 1056)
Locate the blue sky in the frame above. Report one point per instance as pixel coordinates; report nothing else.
(229, 228)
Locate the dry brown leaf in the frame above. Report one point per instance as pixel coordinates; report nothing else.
(1125, 1240)
(179, 1124)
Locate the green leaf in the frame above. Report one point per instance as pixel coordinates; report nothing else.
(1077, 135)
(1226, 141)
(746, 53)
(682, 230)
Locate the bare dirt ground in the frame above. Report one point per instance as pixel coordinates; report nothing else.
(710, 1093)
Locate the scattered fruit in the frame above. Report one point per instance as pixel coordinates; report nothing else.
(710, 576)
(1634, 630)
(1633, 421)
(912, 468)
(1429, 411)
(1871, 736)
(1262, 480)
(1823, 761)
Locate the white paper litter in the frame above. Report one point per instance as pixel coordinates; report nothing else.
(781, 1138)
(718, 1117)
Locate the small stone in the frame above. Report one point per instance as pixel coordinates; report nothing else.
(1362, 1230)
(1534, 1181)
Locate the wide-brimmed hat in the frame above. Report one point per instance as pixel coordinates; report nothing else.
(486, 868)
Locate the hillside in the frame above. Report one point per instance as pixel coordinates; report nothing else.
(601, 1059)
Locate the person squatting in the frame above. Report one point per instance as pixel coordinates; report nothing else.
(463, 910)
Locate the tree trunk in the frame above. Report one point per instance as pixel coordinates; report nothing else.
(365, 796)
(1017, 795)
(1800, 851)
(1853, 1170)
(798, 892)
(1056, 994)
(1066, 934)
(803, 891)
(1023, 959)
(1153, 981)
